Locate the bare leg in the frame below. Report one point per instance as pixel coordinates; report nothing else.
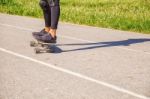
(47, 29)
(53, 32)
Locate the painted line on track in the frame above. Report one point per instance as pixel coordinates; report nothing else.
(73, 38)
(75, 74)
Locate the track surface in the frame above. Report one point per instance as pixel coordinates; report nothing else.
(90, 63)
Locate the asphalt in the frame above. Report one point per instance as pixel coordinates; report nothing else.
(89, 63)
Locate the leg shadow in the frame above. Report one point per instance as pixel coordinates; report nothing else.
(105, 44)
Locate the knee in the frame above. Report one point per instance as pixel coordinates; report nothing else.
(44, 5)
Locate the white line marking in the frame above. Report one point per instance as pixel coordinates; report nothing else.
(73, 38)
(17, 27)
(76, 74)
(27, 29)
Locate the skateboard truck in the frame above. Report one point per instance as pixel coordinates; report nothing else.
(42, 47)
(39, 50)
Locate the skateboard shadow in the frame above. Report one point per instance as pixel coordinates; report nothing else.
(57, 50)
(127, 42)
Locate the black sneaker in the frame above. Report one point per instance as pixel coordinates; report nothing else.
(46, 38)
(41, 33)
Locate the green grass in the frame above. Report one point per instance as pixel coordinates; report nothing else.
(130, 15)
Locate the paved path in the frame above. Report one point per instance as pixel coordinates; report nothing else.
(93, 63)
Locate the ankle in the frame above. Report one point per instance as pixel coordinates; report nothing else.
(47, 29)
(53, 33)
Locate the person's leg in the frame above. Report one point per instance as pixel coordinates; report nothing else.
(55, 13)
(54, 8)
(47, 14)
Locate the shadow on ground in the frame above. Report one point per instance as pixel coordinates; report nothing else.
(103, 44)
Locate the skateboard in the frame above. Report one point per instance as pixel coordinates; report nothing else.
(42, 47)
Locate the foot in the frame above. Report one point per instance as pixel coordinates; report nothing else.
(41, 33)
(46, 38)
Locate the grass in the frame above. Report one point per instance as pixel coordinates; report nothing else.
(129, 15)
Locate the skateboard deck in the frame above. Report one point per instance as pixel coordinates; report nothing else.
(42, 47)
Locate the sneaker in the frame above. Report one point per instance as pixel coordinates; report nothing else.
(46, 38)
(41, 33)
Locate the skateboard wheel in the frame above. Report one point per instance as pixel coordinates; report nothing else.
(32, 43)
(37, 50)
